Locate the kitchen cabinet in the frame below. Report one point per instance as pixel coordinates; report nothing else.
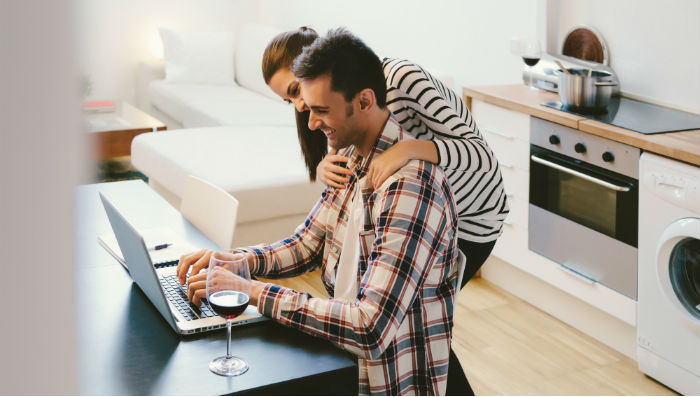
(508, 134)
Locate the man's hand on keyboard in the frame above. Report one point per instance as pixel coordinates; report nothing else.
(221, 279)
(196, 261)
(197, 288)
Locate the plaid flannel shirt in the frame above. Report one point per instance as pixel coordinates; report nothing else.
(400, 324)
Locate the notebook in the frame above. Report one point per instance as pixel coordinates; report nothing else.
(155, 238)
(161, 285)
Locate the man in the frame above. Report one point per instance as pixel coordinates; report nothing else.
(387, 255)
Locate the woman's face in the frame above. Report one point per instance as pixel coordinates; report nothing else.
(284, 84)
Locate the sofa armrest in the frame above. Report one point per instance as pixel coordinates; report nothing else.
(147, 72)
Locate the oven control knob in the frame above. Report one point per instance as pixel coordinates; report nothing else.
(554, 139)
(580, 148)
(608, 157)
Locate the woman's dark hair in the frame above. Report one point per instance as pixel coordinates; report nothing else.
(280, 53)
(351, 64)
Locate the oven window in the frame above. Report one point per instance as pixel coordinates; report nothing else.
(585, 202)
(588, 203)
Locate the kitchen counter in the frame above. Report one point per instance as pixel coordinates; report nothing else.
(683, 146)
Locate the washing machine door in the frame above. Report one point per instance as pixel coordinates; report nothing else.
(678, 267)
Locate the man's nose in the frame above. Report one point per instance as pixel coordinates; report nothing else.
(299, 105)
(314, 122)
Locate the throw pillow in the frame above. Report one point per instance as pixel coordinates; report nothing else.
(198, 56)
(252, 40)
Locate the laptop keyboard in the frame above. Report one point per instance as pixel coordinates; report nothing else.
(177, 295)
(161, 265)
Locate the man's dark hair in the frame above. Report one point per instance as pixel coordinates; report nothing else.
(351, 64)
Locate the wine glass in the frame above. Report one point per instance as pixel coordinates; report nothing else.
(530, 52)
(228, 294)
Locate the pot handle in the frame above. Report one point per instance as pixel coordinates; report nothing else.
(605, 83)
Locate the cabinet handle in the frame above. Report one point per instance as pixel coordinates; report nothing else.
(505, 165)
(577, 275)
(501, 134)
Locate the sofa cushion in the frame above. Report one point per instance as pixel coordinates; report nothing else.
(252, 40)
(198, 56)
(261, 166)
(204, 105)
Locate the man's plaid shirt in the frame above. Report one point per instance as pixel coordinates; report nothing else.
(400, 325)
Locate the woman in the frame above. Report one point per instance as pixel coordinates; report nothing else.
(447, 136)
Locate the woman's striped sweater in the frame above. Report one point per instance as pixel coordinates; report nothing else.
(429, 110)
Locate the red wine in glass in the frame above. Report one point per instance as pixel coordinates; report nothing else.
(530, 61)
(531, 54)
(229, 304)
(228, 294)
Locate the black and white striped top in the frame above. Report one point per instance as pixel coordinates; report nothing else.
(429, 110)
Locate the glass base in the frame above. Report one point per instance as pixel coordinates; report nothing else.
(231, 366)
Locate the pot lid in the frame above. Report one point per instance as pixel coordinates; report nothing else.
(585, 42)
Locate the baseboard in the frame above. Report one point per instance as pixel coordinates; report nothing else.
(601, 326)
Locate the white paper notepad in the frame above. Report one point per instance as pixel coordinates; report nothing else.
(162, 257)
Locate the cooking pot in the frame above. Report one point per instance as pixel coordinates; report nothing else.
(584, 89)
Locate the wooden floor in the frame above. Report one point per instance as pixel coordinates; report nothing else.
(508, 347)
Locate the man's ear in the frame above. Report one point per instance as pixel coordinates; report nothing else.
(367, 98)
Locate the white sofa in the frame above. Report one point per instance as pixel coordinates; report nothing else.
(238, 136)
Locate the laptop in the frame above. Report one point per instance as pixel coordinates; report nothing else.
(162, 286)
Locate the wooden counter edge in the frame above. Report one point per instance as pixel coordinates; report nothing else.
(683, 146)
(534, 109)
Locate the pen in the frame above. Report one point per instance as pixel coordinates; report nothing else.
(159, 246)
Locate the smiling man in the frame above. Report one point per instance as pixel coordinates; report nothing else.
(387, 255)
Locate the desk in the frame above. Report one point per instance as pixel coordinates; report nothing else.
(126, 347)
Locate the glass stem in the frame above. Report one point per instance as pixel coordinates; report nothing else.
(531, 77)
(228, 338)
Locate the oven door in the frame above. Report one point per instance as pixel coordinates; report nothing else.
(585, 218)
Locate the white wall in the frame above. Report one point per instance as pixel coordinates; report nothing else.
(115, 35)
(468, 40)
(654, 45)
(39, 160)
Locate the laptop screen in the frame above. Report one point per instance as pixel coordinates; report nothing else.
(136, 255)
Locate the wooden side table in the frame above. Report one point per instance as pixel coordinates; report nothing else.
(110, 133)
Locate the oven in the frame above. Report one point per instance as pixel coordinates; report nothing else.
(583, 204)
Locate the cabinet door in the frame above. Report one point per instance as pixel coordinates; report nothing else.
(508, 134)
(512, 245)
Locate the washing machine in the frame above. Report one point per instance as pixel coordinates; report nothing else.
(668, 307)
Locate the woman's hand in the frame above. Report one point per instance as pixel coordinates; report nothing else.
(331, 174)
(386, 164)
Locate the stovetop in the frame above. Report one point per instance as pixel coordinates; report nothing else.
(638, 116)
